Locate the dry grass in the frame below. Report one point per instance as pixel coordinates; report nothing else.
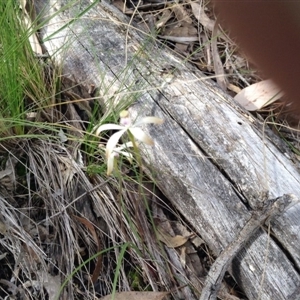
(56, 216)
(69, 231)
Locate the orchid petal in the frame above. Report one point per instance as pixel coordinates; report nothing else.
(113, 141)
(124, 146)
(106, 127)
(148, 120)
(128, 155)
(110, 164)
(140, 135)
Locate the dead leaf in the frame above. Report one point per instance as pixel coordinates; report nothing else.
(181, 14)
(205, 21)
(164, 18)
(171, 241)
(137, 296)
(233, 88)
(91, 228)
(218, 66)
(200, 15)
(120, 5)
(184, 34)
(258, 95)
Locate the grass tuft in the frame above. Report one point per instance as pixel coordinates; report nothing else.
(53, 173)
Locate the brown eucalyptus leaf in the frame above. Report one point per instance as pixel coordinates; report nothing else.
(205, 21)
(258, 95)
(181, 14)
(171, 241)
(201, 16)
(92, 230)
(184, 34)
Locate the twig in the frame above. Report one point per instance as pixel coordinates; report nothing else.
(216, 273)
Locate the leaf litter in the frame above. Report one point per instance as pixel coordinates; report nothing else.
(190, 29)
(55, 215)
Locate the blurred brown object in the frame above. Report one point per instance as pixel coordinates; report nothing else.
(269, 33)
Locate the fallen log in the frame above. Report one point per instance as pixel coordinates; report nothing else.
(211, 159)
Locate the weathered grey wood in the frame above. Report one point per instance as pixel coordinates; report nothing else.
(209, 158)
(271, 209)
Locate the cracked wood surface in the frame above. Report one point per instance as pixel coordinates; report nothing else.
(271, 209)
(210, 157)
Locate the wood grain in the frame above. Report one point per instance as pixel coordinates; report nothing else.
(211, 159)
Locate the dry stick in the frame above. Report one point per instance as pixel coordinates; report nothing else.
(216, 273)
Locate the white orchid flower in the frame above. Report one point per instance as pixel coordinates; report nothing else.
(116, 152)
(126, 125)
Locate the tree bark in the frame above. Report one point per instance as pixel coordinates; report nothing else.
(213, 160)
